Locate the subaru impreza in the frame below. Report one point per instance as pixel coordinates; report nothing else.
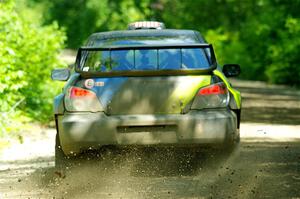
(146, 86)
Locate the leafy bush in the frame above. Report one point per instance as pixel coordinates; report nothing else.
(28, 53)
(81, 18)
(284, 68)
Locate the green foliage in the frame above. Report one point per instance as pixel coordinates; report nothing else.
(284, 68)
(262, 36)
(83, 17)
(28, 52)
(78, 17)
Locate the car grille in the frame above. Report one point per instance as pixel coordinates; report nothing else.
(148, 128)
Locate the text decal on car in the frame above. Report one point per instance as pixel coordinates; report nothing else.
(90, 83)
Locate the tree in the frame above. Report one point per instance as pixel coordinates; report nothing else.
(28, 53)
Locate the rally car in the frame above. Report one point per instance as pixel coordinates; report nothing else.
(146, 86)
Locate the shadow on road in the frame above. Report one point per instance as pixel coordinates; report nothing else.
(271, 115)
(270, 104)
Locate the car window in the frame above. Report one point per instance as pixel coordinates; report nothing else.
(97, 61)
(144, 59)
(122, 60)
(194, 58)
(169, 59)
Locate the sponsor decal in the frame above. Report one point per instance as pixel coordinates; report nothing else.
(99, 83)
(89, 83)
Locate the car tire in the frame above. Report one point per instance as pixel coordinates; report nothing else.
(61, 160)
(231, 144)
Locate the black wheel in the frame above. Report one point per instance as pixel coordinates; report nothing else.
(61, 160)
(231, 143)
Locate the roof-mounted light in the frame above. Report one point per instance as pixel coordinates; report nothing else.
(146, 25)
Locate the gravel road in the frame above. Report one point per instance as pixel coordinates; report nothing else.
(265, 165)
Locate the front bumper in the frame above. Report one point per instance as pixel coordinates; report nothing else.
(82, 131)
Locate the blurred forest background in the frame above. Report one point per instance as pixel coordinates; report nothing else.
(263, 36)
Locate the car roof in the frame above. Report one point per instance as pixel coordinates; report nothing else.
(195, 35)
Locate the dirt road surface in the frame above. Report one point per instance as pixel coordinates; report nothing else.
(265, 165)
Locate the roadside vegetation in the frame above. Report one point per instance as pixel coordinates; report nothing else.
(28, 52)
(262, 36)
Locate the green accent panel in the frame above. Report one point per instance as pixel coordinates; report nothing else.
(185, 91)
(71, 81)
(236, 94)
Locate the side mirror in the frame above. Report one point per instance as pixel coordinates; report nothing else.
(60, 74)
(231, 70)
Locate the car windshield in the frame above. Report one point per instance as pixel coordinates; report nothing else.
(145, 59)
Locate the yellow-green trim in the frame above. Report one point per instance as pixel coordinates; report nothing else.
(186, 91)
(236, 94)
